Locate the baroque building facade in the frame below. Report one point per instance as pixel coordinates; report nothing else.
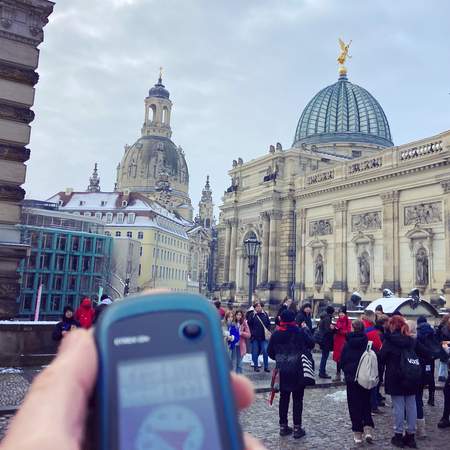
(342, 210)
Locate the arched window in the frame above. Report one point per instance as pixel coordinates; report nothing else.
(165, 115)
(152, 113)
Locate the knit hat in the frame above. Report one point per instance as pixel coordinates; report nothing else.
(287, 316)
(330, 310)
(421, 319)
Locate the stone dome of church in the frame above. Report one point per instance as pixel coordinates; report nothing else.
(159, 90)
(144, 161)
(343, 112)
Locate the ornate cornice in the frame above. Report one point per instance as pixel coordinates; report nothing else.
(18, 74)
(16, 113)
(10, 193)
(14, 153)
(346, 184)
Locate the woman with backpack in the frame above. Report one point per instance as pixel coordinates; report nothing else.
(286, 346)
(358, 398)
(402, 379)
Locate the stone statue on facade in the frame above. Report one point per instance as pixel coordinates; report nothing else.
(422, 277)
(318, 270)
(364, 269)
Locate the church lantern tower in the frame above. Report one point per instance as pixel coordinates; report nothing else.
(94, 181)
(206, 207)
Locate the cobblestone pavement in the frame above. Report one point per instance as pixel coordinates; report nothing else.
(327, 424)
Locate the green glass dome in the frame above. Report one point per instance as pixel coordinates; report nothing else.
(343, 112)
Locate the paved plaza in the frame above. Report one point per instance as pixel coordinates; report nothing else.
(327, 424)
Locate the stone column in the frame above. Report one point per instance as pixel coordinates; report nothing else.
(22, 24)
(233, 245)
(275, 217)
(265, 248)
(391, 244)
(446, 217)
(300, 240)
(340, 252)
(226, 259)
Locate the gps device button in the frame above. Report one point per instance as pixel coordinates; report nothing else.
(192, 330)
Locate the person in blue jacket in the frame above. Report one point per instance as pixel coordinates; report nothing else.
(67, 324)
(231, 333)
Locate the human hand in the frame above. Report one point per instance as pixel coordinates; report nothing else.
(54, 412)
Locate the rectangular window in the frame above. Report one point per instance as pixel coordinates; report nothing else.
(58, 282)
(86, 264)
(118, 233)
(27, 302)
(98, 215)
(72, 284)
(103, 203)
(75, 243)
(47, 240)
(120, 218)
(98, 265)
(88, 245)
(73, 263)
(140, 270)
(109, 217)
(140, 251)
(129, 234)
(131, 217)
(55, 304)
(61, 243)
(140, 235)
(99, 246)
(46, 261)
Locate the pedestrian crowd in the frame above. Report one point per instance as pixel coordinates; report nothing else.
(83, 317)
(369, 352)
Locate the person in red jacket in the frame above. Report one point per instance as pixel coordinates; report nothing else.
(85, 313)
(342, 328)
(374, 335)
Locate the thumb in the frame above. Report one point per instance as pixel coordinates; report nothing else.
(57, 399)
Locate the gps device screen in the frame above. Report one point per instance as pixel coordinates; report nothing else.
(167, 403)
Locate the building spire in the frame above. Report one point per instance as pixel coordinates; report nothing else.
(343, 57)
(160, 75)
(94, 181)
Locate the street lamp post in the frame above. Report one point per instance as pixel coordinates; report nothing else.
(251, 248)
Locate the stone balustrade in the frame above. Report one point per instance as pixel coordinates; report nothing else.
(364, 165)
(320, 177)
(421, 150)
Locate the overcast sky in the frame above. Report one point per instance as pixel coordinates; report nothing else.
(239, 73)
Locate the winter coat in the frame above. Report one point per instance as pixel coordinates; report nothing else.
(283, 307)
(234, 331)
(443, 334)
(351, 354)
(286, 348)
(303, 317)
(373, 334)
(64, 325)
(343, 327)
(244, 334)
(390, 354)
(256, 328)
(85, 314)
(427, 337)
(326, 332)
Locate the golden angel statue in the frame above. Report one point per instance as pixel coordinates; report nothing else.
(344, 52)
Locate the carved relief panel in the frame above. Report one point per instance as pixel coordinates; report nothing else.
(366, 221)
(321, 227)
(423, 213)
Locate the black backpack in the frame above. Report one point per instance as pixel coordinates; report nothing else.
(410, 370)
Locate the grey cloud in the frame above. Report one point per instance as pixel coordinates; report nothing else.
(239, 73)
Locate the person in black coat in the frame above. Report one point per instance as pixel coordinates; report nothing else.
(305, 316)
(358, 398)
(326, 333)
(426, 337)
(258, 321)
(398, 340)
(67, 324)
(287, 303)
(286, 346)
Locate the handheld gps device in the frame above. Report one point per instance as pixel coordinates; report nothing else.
(164, 380)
